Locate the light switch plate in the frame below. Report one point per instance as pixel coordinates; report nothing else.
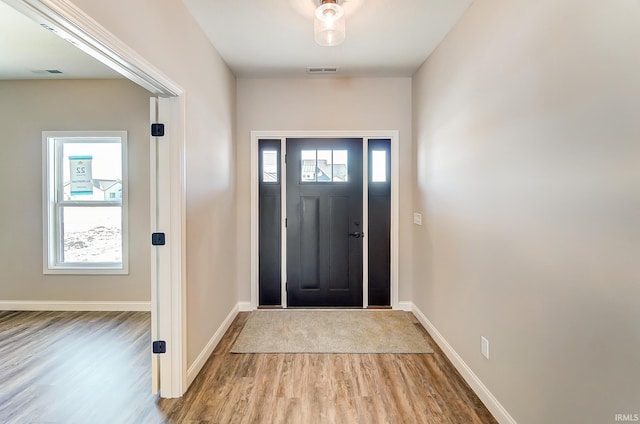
(417, 218)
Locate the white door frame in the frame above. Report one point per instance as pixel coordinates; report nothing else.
(71, 23)
(168, 300)
(394, 136)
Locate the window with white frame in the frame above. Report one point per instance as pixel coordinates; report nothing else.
(85, 202)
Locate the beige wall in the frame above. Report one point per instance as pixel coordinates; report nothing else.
(166, 35)
(527, 147)
(323, 104)
(29, 107)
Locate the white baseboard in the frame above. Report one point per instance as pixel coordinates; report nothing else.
(245, 307)
(490, 401)
(197, 365)
(38, 305)
(405, 306)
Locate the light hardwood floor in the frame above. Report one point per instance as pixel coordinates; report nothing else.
(75, 367)
(72, 367)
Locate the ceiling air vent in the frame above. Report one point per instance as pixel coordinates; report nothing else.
(46, 71)
(322, 70)
(47, 27)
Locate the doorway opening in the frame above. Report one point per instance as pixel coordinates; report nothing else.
(168, 316)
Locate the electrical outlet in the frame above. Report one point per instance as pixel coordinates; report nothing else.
(484, 347)
(417, 218)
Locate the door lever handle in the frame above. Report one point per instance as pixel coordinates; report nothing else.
(357, 234)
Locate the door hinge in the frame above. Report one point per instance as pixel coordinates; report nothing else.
(286, 222)
(286, 286)
(158, 239)
(285, 158)
(157, 130)
(159, 346)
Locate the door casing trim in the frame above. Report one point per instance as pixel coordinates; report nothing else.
(392, 135)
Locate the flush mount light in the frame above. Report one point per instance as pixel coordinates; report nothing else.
(329, 26)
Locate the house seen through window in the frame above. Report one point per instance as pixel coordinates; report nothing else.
(324, 166)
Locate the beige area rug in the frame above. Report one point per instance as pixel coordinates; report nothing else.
(296, 331)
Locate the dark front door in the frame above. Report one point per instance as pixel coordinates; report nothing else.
(324, 222)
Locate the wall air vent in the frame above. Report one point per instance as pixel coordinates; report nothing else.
(322, 70)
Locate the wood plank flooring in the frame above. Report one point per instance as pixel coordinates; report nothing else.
(326, 388)
(72, 367)
(76, 367)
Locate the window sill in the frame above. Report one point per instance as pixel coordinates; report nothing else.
(86, 271)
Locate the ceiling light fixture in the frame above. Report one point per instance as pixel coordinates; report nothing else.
(329, 26)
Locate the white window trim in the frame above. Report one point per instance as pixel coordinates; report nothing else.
(50, 236)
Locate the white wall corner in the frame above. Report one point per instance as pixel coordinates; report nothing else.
(202, 358)
(39, 305)
(245, 307)
(490, 401)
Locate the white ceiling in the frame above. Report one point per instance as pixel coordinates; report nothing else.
(26, 47)
(261, 38)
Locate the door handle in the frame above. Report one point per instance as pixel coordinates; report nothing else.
(357, 234)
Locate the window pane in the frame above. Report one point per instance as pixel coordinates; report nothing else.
(340, 165)
(308, 165)
(324, 172)
(91, 234)
(324, 166)
(379, 166)
(92, 171)
(269, 166)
